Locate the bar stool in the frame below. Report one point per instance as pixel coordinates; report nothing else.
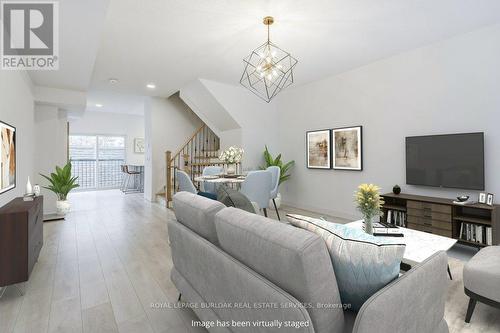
(130, 174)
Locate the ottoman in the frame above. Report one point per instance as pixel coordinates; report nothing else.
(482, 279)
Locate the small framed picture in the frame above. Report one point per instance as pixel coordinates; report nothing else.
(482, 198)
(318, 148)
(347, 148)
(139, 145)
(489, 199)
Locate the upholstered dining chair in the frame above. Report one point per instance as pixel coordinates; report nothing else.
(211, 171)
(185, 184)
(275, 183)
(257, 188)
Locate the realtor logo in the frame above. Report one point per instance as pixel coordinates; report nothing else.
(30, 35)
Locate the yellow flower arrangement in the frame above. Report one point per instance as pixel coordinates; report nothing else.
(368, 200)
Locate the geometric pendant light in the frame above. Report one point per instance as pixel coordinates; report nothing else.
(268, 69)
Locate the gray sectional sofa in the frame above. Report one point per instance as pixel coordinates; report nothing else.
(242, 272)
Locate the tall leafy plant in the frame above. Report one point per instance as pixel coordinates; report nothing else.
(284, 167)
(61, 182)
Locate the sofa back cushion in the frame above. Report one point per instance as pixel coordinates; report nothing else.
(197, 213)
(296, 260)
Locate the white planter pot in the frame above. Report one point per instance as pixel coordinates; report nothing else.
(63, 207)
(277, 200)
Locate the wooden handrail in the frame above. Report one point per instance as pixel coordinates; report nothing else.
(168, 187)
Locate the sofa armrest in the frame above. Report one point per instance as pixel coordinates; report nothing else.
(412, 303)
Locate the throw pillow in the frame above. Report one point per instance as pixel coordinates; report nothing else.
(363, 263)
(233, 198)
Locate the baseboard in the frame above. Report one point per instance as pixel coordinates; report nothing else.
(321, 210)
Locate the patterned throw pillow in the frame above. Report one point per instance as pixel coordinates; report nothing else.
(363, 263)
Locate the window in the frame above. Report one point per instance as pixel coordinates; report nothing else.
(97, 159)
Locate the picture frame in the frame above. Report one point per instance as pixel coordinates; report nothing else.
(489, 199)
(139, 146)
(482, 198)
(8, 163)
(348, 148)
(319, 149)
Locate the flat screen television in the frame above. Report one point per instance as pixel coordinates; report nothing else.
(450, 160)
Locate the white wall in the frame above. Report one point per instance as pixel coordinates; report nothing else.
(50, 148)
(132, 126)
(169, 123)
(17, 109)
(448, 87)
(258, 120)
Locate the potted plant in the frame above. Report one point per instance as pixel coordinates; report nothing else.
(61, 183)
(231, 156)
(369, 203)
(284, 168)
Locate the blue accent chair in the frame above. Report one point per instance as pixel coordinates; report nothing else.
(186, 185)
(257, 188)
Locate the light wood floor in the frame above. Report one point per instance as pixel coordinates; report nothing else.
(106, 268)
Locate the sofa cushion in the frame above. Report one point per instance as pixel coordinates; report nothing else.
(482, 273)
(197, 213)
(294, 259)
(363, 263)
(232, 198)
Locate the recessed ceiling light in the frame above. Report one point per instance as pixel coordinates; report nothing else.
(151, 85)
(99, 105)
(113, 81)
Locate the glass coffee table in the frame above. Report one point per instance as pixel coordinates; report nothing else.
(419, 245)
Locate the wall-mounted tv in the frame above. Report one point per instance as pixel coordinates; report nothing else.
(7, 157)
(450, 160)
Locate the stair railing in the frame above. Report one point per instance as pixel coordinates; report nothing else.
(199, 151)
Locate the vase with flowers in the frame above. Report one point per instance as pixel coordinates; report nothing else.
(369, 202)
(231, 156)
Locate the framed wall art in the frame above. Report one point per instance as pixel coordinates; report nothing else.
(139, 145)
(318, 148)
(7, 157)
(348, 148)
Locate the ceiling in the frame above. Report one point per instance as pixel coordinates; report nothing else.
(115, 102)
(173, 42)
(80, 26)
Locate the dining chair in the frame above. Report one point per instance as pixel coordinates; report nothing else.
(257, 188)
(185, 183)
(211, 187)
(275, 183)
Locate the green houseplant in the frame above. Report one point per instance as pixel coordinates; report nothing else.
(284, 169)
(61, 183)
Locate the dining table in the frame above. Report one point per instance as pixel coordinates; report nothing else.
(233, 181)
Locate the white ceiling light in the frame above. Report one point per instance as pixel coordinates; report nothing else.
(98, 105)
(268, 69)
(151, 85)
(113, 81)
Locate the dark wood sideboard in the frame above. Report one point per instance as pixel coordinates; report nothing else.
(21, 239)
(441, 216)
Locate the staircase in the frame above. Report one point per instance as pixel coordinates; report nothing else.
(199, 151)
